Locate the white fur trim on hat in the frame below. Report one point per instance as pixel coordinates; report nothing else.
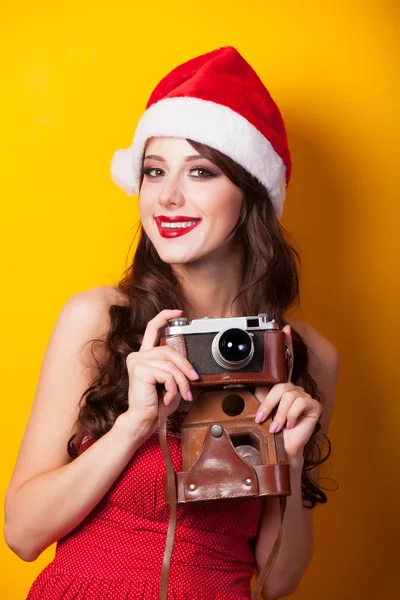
(209, 123)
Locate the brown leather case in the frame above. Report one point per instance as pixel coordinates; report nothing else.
(214, 465)
(212, 468)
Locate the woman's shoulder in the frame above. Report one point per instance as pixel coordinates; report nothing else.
(85, 317)
(88, 312)
(320, 348)
(96, 300)
(105, 295)
(323, 365)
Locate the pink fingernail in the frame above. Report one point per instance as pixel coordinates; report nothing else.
(194, 374)
(259, 416)
(288, 425)
(190, 395)
(274, 427)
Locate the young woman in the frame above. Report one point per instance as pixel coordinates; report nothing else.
(210, 164)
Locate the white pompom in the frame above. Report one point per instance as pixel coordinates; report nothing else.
(122, 170)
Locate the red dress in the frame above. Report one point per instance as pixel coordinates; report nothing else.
(116, 552)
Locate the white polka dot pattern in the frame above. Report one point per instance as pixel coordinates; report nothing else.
(116, 552)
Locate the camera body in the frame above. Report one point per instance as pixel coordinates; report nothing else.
(231, 351)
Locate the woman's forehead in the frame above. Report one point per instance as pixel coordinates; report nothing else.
(168, 143)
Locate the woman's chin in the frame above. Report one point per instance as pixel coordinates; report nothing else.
(177, 256)
(176, 260)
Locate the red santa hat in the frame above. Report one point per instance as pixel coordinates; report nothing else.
(219, 100)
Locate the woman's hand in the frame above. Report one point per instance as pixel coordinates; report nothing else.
(153, 365)
(297, 412)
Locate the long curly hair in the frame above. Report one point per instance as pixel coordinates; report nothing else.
(270, 283)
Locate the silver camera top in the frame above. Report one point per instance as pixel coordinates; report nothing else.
(181, 325)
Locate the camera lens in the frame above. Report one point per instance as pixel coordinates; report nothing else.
(234, 345)
(232, 349)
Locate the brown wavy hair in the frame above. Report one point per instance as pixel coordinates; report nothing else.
(270, 283)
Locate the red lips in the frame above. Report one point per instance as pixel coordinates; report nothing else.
(167, 232)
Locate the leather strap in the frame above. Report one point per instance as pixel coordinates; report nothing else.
(171, 483)
(265, 571)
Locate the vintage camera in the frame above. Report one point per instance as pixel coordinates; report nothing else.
(237, 351)
(225, 453)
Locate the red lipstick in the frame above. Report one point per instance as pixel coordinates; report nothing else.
(167, 231)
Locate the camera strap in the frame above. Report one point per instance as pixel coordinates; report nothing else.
(173, 503)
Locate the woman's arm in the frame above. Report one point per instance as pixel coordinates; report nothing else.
(49, 495)
(297, 536)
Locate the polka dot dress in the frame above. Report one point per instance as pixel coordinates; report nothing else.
(116, 552)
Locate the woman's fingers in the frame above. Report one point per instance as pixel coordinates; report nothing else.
(292, 401)
(180, 379)
(287, 400)
(138, 366)
(143, 381)
(288, 412)
(164, 353)
(171, 389)
(303, 407)
(152, 333)
(170, 354)
(273, 397)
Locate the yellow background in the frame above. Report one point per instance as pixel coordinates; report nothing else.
(75, 80)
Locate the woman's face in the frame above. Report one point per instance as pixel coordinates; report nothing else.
(179, 186)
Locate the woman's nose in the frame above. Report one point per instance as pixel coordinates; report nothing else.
(171, 193)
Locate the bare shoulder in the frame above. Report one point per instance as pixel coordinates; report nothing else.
(321, 350)
(99, 298)
(67, 370)
(89, 309)
(323, 365)
(113, 295)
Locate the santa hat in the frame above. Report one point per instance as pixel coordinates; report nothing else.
(219, 100)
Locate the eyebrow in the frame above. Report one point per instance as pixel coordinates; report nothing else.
(187, 158)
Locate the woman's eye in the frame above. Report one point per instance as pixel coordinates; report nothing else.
(149, 170)
(203, 173)
(197, 172)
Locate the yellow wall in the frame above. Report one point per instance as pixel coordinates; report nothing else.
(75, 79)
